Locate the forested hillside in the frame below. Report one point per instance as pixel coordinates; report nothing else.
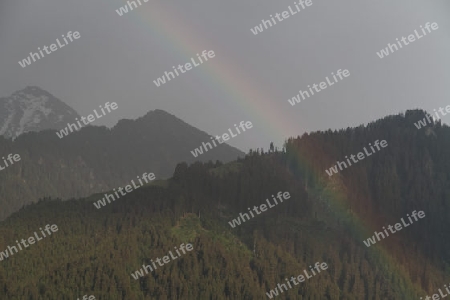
(98, 159)
(325, 220)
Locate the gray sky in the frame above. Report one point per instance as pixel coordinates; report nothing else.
(250, 78)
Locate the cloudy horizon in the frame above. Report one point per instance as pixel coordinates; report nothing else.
(251, 77)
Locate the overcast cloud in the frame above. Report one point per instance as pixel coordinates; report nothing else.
(118, 57)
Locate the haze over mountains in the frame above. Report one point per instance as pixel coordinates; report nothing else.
(93, 159)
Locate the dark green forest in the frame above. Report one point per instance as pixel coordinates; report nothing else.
(92, 160)
(325, 220)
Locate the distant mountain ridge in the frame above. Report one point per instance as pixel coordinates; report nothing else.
(33, 109)
(97, 158)
(326, 219)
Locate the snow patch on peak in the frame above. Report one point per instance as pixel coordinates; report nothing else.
(33, 109)
(6, 124)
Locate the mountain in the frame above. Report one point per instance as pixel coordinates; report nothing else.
(327, 219)
(97, 158)
(33, 109)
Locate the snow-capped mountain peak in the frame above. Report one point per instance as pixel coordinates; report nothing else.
(33, 109)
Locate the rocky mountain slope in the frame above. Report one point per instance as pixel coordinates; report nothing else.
(93, 159)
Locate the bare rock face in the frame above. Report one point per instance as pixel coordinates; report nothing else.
(33, 109)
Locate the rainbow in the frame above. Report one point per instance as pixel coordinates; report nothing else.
(362, 229)
(176, 35)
